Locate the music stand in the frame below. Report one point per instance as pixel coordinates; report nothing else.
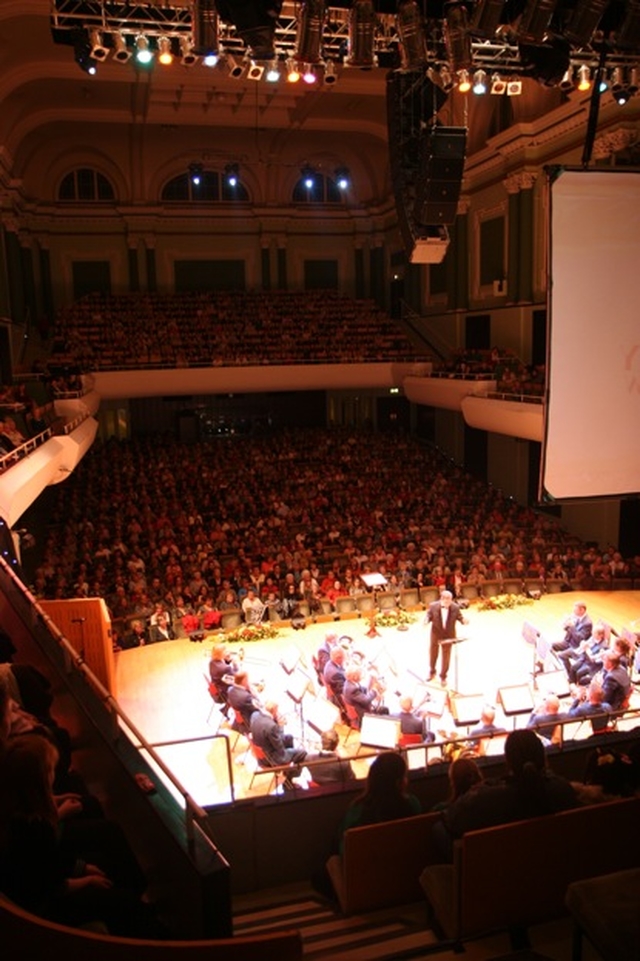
(322, 715)
(380, 730)
(516, 699)
(431, 701)
(554, 682)
(453, 643)
(297, 686)
(290, 659)
(541, 646)
(374, 580)
(466, 709)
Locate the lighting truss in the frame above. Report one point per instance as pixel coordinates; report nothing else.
(175, 19)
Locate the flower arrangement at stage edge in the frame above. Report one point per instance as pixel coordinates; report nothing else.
(393, 618)
(251, 632)
(503, 602)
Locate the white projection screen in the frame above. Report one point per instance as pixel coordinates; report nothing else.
(592, 442)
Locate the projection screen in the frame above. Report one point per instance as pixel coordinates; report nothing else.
(592, 435)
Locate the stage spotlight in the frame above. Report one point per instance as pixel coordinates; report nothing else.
(413, 43)
(98, 50)
(231, 175)
(628, 36)
(342, 178)
(362, 28)
(486, 18)
(535, 20)
(617, 81)
(195, 173)
(583, 21)
(567, 83)
(621, 96)
(235, 68)
(604, 84)
(330, 75)
(143, 52)
(165, 56)
(187, 53)
(273, 71)
(205, 32)
(308, 176)
(255, 71)
(498, 85)
(514, 87)
(464, 83)
(121, 52)
(308, 74)
(309, 35)
(634, 81)
(293, 74)
(584, 78)
(446, 79)
(480, 82)
(82, 56)
(457, 37)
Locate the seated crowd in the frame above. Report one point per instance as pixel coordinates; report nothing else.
(510, 374)
(156, 526)
(26, 411)
(227, 328)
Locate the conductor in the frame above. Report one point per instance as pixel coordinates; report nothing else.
(443, 616)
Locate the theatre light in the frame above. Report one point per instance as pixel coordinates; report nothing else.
(342, 178)
(567, 82)
(330, 76)
(457, 37)
(82, 56)
(498, 85)
(293, 74)
(187, 53)
(584, 78)
(121, 52)
(309, 35)
(464, 83)
(413, 44)
(195, 174)
(235, 68)
(486, 18)
(231, 174)
(480, 82)
(143, 51)
(255, 71)
(308, 176)
(362, 27)
(165, 56)
(535, 20)
(308, 74)
(634, 81)
(98, 50)
(273, 71)
(205, 32)
(583, 21)
(514, 87)
(446, 79)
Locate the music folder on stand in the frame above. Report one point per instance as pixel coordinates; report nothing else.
(453, 643)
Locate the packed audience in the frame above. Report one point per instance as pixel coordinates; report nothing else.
(227, 328)
(511, 375)
(296, 515)
(26, 413)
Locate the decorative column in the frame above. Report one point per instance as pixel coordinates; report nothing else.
(519, 187)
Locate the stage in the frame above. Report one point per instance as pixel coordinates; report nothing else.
(163, 688)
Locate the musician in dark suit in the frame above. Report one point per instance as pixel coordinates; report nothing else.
(443, 615)
(267, 732)
(333, 769)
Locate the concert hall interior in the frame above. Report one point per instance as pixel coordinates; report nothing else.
(309, 313)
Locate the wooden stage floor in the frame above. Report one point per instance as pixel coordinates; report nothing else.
(163, 690)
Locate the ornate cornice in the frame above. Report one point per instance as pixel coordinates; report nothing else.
(522, 180)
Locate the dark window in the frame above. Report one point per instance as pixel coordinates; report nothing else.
(211, 189)
(492, 265)
(85, 184)
(322, 190)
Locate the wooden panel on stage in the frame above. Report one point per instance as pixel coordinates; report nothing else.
(86, 624)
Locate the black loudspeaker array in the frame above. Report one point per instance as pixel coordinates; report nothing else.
(412, 103)
(442, 153)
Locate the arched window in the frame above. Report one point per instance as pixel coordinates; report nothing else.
(85, 184)
(212, 189)
(315, 188)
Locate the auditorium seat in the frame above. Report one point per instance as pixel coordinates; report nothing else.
(492, 588)
(231, 619)
(409, 598)
(386, 600)
(345, 606)
(429, 594)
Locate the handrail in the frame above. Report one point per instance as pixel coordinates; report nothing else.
(193, 811)
(408, 317)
